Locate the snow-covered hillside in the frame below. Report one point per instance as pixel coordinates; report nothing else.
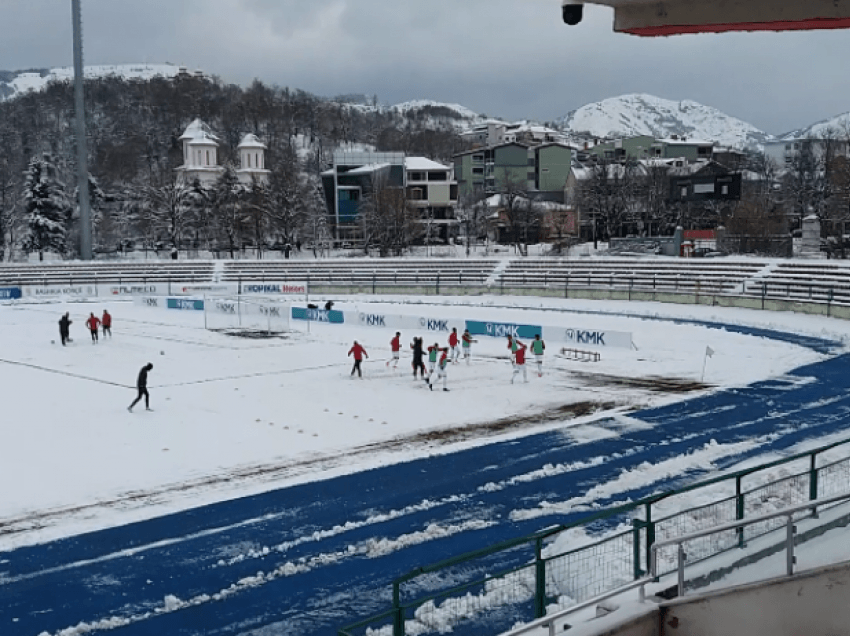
(640, 114)
(430, 113)
(837, 126)
(13, 84)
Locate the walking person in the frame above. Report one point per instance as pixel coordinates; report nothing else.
(466, 341)
(106, 324)
(93, 323)
(453, 342)
(441, 369)
(537, 348)
(65, 329)
(519, 362)
(418, 352)
(359, 353)
(395, 346)
(142, 386)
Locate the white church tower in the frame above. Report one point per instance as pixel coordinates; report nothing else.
(200, 155)
(252, 160)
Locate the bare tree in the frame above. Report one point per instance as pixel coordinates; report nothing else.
(472, 214)
(387, 220)
(521, 215)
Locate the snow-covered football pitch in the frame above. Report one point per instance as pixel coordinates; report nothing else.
(234, 416)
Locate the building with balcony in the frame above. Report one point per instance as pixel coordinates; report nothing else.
(540, 170)
(430, 191)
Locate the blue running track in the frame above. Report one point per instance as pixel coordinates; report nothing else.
(334, 545)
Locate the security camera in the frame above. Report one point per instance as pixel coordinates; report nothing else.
(573, 11)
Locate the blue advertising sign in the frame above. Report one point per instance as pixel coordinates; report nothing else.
(10, 293)
(502, 329)
(318, 315)
(185, 303)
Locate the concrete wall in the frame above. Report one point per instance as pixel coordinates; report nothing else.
(810, 604)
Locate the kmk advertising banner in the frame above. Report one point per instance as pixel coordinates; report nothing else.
(503, 329)
(186, 304)
(318, 315)
(580, 338)
(408, 323)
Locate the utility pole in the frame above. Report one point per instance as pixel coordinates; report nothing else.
(82, 150)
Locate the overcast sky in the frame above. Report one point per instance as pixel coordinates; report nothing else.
(507, 58)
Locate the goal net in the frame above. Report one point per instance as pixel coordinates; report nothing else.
(246, 314)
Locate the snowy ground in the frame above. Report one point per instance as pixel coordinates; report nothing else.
(235, 416)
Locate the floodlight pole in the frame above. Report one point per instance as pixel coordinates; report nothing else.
(82, 150)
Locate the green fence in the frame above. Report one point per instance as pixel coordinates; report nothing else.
(443, 596)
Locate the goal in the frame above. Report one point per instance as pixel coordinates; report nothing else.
(248, 315)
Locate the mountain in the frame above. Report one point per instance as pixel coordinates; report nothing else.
(836, 126)
(13, 83)
(639, 114)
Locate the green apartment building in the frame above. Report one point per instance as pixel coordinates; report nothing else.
(543, 169)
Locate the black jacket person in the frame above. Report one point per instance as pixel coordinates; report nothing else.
(142, 386)
(64, 328)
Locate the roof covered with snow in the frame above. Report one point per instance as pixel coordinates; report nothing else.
(423, 163)
(251, 141)
(198, 131)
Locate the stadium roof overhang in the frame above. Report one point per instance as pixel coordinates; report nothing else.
(674, 17)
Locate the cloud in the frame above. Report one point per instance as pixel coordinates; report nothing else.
(512, 58)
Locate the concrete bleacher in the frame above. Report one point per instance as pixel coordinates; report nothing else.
(671, 275)
(72, 273)
(819, 281)
(385, 272)
(825, 282)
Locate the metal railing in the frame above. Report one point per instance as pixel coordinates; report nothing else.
(737, 526)
(550, 621)
(616, 560)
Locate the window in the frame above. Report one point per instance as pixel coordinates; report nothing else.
(208, 157)
(257, 160)
(249, 160)
(416, 194)
(477, 170)
(478, 158)
(414, 176)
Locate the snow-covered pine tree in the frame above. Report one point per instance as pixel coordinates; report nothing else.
(230, 217)
(46, 207)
